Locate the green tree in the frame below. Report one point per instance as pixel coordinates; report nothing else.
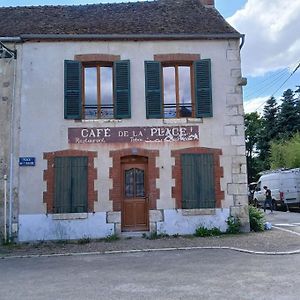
(269, 132)
(298, 107)
(253, 128)
(287, 117)
(286, 153)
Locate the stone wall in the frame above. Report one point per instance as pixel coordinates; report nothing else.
(6, 95)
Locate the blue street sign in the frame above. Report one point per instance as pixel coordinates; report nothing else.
(26, 161)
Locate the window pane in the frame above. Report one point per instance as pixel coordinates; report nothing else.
(169, 92)
(106, 83)
(185, 98)
(129, 183)
(90, 90)
(139, 183)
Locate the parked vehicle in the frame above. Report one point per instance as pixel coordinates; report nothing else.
(284, 185)
(251, 190)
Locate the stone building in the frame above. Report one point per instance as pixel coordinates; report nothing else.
(7, 81)
(128, 118)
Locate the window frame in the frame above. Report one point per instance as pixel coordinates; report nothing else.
(177, 173)
(98, 65)
(49, 177)
(176, 65)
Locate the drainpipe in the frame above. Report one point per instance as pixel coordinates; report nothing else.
(11, 167)
(5, 201)
(243, 41)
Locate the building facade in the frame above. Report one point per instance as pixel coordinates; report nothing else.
(128, 126)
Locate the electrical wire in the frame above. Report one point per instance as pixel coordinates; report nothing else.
(266, 87)
(274, 76)
(298, 66)
(295, 70)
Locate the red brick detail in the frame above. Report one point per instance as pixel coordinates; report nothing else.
(177, 173)
(176, 57)
(96, 57)
(115, 194)
(48, 196)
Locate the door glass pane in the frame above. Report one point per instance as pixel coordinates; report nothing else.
(185, 98)
(139, 183)
(90, 92)
(129, 183)
(106, 84)
(169, 92)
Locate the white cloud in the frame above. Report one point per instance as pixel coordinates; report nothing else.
(255, 104)
(272, 35)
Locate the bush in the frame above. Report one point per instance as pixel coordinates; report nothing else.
(203, 231)
(257, 219)
(234, 225)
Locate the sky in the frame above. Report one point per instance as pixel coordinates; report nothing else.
(272, 45)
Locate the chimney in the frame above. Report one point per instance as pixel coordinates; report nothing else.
(208, 3)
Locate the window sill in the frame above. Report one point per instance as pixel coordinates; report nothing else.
(183, 121)
(100, 121)
(70, 216)
(198, 211)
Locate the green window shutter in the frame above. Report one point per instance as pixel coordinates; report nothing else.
(62, 185)
(203, 89)
(79, 184)
(122, 109)
(154, 105)
(198, 181)
(70, 191)
(73, 89)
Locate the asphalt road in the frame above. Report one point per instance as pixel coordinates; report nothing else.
(195, 274)
(285, 220)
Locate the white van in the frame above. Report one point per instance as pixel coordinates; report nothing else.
(284, 185)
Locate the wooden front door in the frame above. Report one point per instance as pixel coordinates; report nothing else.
(135, 206)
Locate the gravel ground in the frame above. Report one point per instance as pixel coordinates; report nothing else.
(270, 241)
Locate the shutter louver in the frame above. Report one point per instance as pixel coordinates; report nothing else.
(122, 109)
(73, 88)
(153, 89)
(71, 188)
(203, 93)
(198, 183)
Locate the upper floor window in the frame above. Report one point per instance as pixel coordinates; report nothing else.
(177, 90)
(98, 100)
(96, 90)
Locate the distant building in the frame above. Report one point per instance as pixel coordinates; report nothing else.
(126, 117)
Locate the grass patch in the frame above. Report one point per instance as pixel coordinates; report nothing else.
(234, 225)
(111, 238)
(84, 240)
(154, 236)
(205, 232)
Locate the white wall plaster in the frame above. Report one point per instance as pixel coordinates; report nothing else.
(176, 223)
(41, 227)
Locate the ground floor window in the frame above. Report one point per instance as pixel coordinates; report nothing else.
(197, 177)
(70, 184)
(198, 184)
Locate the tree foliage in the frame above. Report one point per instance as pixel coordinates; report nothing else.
(253, 130)
(286, 154)
(273, 139)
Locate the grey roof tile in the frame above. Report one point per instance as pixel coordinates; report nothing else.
(162, 17)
